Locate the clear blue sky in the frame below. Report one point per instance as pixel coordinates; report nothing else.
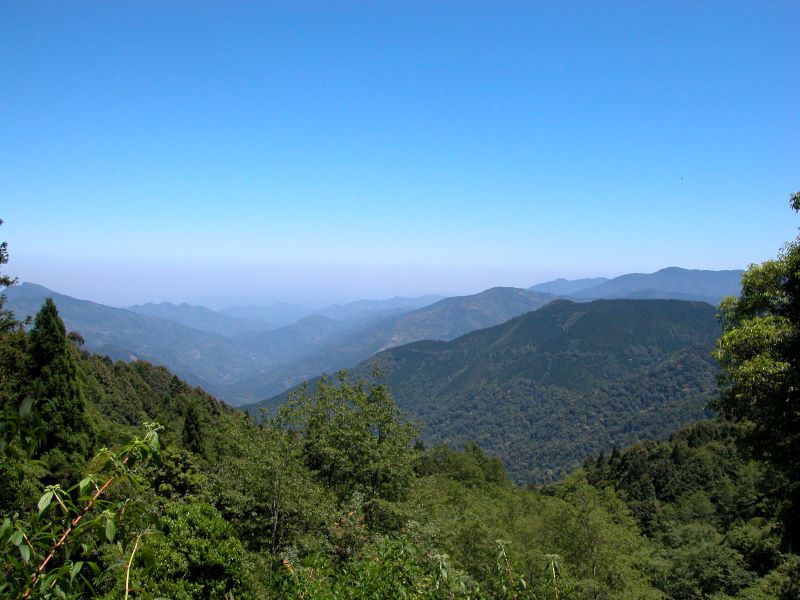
(331, 150)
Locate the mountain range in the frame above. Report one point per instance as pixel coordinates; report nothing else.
(670, 283)
(242, 357)
(205, 359)
(545, 389)
(246, 367)
(443, 320)
(202, 318)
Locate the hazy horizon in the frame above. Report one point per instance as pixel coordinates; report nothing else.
(162, 287)
(309, 153)
(323, 299)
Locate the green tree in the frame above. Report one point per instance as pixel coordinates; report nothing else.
(54, 387)
(264, 488)
(11, 338)
(356, 442)
(760, 356)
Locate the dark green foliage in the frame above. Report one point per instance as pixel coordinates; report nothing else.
(505, 538)
(265, 490)
(355, 443)
(471, 466)
(709, 507)
(65, 545)
(701, 564)
(21, 428)
(192, 431)
(178, 475)
(15, 425)
(388, 568)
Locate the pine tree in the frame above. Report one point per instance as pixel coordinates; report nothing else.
(54, 386)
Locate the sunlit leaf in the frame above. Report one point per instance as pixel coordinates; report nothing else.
(111, 530)
(45, 501)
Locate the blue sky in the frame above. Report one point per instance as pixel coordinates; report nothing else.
(320, 151)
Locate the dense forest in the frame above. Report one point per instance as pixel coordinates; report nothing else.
(544, 390)
(122, 481)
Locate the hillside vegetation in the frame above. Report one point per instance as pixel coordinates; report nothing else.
(332, 500)
(546, 389)
(443, 320)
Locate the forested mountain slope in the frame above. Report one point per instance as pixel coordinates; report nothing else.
(711, 509)
(203, 358)
(442, 320)
(248, 366)
(547, 388)
(672, 282)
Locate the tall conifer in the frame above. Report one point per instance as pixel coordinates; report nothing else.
(53, 375)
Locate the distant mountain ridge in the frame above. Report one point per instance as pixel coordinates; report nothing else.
(281, 314)
(549, 387)
(442, 320)
(293, 342)
(222, 353)
(250, 366)
(204, 359)
(564, 287)
(365, 309)
(199, 317)
(669, 283)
